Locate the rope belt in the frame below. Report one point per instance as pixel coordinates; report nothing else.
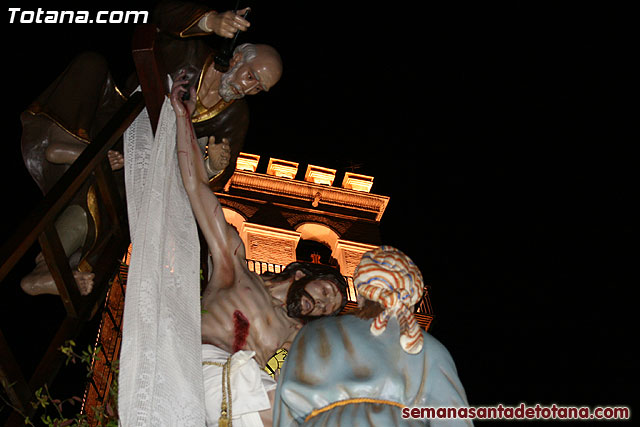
(329, 407)
(225, 416)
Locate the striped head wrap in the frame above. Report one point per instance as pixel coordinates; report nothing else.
(389, 277)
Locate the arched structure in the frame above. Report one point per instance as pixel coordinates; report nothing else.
(272, 211)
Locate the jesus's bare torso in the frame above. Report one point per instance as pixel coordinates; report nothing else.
(238, 311)
(244, 316)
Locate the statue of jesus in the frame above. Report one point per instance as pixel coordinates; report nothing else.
(246, 318)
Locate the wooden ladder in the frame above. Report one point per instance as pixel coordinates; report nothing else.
(39, 226)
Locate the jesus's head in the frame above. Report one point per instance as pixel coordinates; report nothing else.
(314, 290)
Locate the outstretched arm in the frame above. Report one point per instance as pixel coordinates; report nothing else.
(189, 19)
(222, 239)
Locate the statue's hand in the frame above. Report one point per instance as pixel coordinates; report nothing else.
(116, 160)
(182, 107)
(226, 24)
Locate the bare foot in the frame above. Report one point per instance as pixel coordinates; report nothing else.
(219, 155)
(40, 281)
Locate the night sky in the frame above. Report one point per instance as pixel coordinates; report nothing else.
(499, 134)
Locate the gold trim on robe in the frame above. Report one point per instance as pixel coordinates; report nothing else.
(203, 113)
(333, 405)
(195, 23)
(92, 205)
(80, 134)
(122, 95)
(35, 109)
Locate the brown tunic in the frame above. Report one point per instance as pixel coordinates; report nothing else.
(182, 48)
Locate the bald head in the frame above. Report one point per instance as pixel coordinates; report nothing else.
(254, 69)
(262, 57)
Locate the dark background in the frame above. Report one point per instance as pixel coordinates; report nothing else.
(497, 130)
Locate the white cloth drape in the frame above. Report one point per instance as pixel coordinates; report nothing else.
(160, 380)
(249, 386)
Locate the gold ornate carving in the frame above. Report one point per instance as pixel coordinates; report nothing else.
(302, 190)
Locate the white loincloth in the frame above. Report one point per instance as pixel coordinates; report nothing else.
(249, 387)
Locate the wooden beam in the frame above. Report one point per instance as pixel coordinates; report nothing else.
(13, 381)
(60, 271)
(104, 271)
(150, 70)
(111, 200)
